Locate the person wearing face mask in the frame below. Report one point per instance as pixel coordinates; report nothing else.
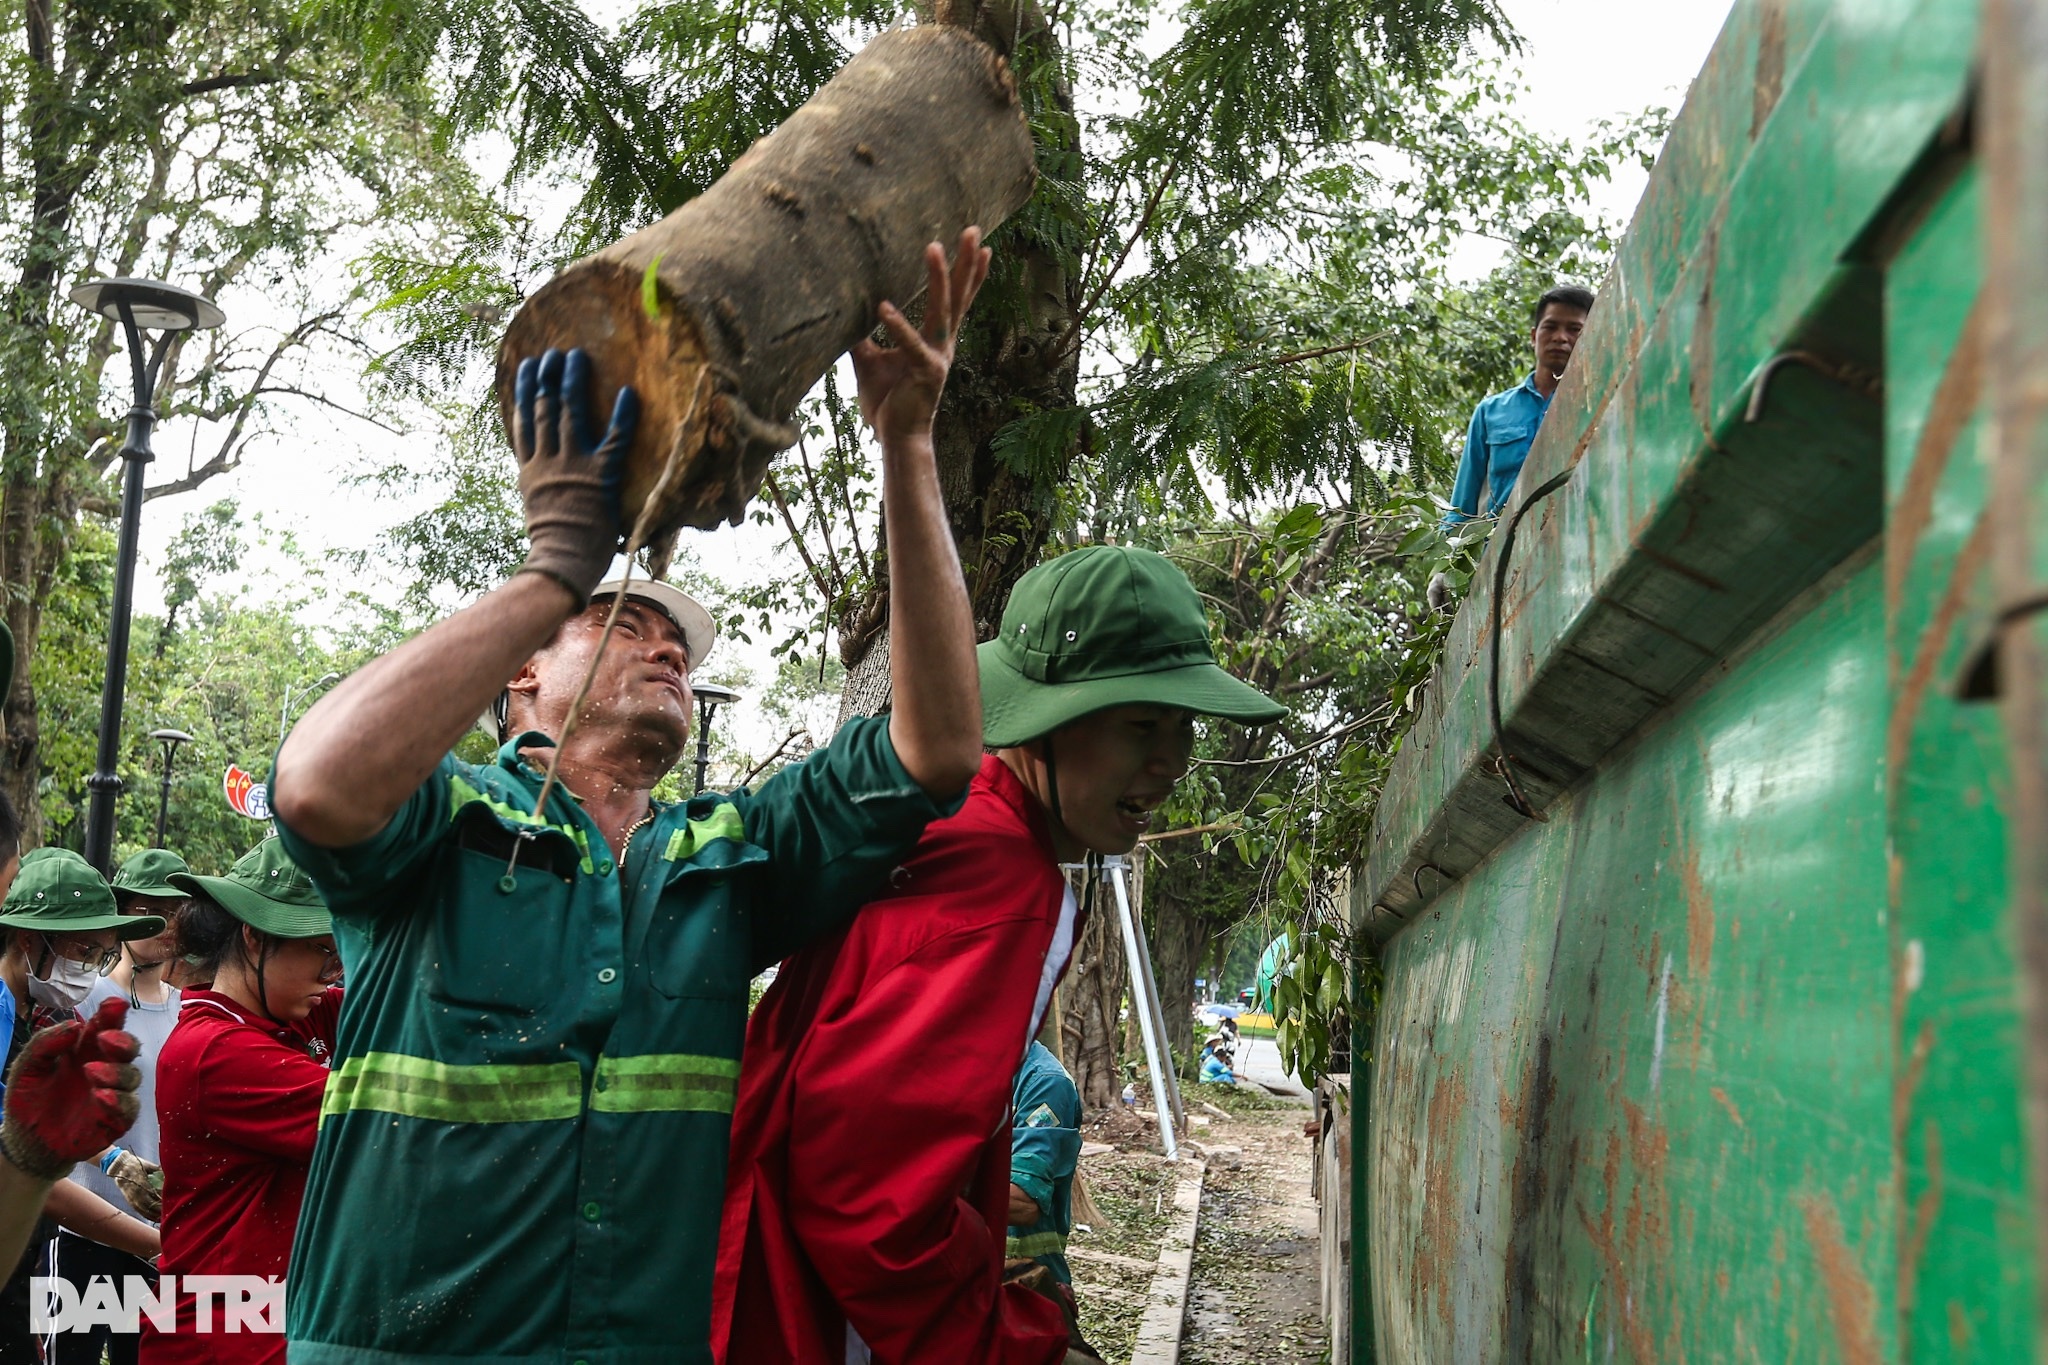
(61, 929)
(141, 888)
(869, 1182)
(238, 1094)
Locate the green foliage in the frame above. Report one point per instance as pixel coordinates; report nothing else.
(222, 677)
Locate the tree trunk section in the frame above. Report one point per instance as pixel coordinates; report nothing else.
(1010, 360)
(1091, 998)
(763, 281)
(1177, 938)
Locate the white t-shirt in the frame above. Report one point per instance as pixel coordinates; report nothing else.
(150, 1024)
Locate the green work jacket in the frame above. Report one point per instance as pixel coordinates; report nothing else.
(522, 1148)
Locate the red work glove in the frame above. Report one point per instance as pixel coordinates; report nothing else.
(70, 1094)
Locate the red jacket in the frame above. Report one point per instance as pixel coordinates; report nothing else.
(238, 1100)
(870, 1168)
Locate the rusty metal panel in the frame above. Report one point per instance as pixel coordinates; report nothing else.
(1965, 1269)
(1630, 1097)
(1685, 524)
(2015, 143)
(1729, 1056)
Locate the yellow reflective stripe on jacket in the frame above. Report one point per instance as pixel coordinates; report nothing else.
(417, 1087)
(1037, 1244)
(724, 822)
(665, 1082)
(462, 792)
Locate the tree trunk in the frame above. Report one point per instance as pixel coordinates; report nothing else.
(1178, 938)
(1010, 360)
(1091, 996)
(762, 282)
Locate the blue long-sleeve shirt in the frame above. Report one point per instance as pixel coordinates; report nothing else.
(1496, 444)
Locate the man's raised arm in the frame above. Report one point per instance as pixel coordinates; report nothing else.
(935, 723)
(364, 748)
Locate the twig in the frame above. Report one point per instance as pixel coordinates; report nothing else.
(796, 538)
(780, 750)
(1219, 827)
(1309, 747)
(1296, 357)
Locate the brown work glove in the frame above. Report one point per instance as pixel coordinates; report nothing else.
(141, 1182)
(569, 478)
(71, 1092)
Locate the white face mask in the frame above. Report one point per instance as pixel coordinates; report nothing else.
(66, 986)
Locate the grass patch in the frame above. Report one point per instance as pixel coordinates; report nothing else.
(1236, 1099)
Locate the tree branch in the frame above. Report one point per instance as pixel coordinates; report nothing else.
(1307, 748)
(236, 81)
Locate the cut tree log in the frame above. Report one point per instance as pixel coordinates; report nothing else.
(725, 313)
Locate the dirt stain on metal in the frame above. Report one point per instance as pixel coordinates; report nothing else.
(1851, 1305)
(1927, 650)
(1436, 1257)
(1699, 920)
(1948, 412)
(1721, 1098)
(1770, 63)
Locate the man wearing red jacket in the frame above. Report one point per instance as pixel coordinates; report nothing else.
(867, 1196)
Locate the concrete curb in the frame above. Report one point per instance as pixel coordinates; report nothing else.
(1166, 1304)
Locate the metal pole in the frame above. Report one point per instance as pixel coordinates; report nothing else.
(105, 782)
(1134, 950)
(1180, 1118)
(704, 716)
(163, 805)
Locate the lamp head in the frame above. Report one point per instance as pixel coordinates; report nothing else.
(711, 694)
(170, 736)
(152, 303)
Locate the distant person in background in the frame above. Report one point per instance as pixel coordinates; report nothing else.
(1216, 1062)
(1045, 1147)
(141, 887)
(1504, 425)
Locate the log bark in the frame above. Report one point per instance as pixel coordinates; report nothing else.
(763, 281)
(1091, 997)
(1012, 359)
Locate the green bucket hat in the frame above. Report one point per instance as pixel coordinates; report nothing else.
(265, 890)
(58, 892)
(148, 873)
(1108, 625)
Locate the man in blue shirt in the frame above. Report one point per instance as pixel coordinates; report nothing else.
(1504, 425)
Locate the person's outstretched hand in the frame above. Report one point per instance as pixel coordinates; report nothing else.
(569, 475)
(71, 1092)
(900, 384)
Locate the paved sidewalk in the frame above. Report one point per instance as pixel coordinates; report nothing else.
(1258, 1060)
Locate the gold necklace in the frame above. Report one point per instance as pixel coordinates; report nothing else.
(626, 848)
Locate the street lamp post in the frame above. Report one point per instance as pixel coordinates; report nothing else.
(170, 739)
(710, 696)
(135, 304)
(284, 713)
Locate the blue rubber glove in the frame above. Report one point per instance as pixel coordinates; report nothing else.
(569, 477)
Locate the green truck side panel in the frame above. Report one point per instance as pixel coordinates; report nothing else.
(1965, 1269)
(1721, 1059)
(1631, 1088)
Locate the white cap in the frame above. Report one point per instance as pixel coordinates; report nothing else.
(700, 632)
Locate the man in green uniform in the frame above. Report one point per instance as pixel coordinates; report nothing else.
(1045, 1147)
(522, 1149)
